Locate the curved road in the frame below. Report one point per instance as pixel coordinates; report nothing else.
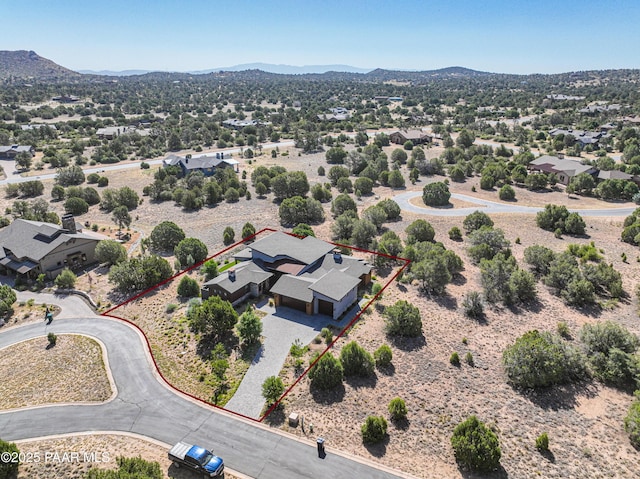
(147, 407)
(488, 207)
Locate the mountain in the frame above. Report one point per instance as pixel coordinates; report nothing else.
(28, 64)
(265, 67)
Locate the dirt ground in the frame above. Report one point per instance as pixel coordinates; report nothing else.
(64, 457)
(33, 373)
(584, 422)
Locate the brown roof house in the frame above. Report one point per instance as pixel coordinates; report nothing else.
(307, 274)
(417, 137)
(564, 169)
(30, 248)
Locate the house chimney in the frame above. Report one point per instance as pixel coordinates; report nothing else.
(69, 223)
(232, 275)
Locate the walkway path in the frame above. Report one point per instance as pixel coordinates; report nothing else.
(148, 407)
(493, 207)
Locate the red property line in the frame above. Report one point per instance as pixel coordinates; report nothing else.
(109, 314)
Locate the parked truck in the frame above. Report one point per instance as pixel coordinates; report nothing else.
(197, 459)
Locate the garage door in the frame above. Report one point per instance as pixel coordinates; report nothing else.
(325, 307)
(294, 303)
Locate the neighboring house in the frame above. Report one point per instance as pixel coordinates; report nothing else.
(66, 98)
(239, 124)
(307, 274)
(111, 132)
(600, 108)
(37, 126)
(334, 117)
(30, 248)
(564, 169)
(617, 175)
(561, 97)
(417, 137)
(207, 164)
(10, 152)
(582, 136)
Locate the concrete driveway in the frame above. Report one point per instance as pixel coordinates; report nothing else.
(280, 329)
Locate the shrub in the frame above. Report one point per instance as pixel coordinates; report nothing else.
(300, 210)
(383, 356)
(418, 231)
(326, 373)
(540, 258)
(303, 229)
(103, 181)
(110, 252)
(475, 221)
(374, 429)
(454, 359)
(76, 206)
(188, 288)
(72, 175)
(321, 171)
(249, 327)
(397, 409)
(66, 279)
(210, 269)
(190, 251)
(476, 446)
(507, 193)
(473, 305)
(166, 236)
(213, 317)
(356, 361)
(228, 236)
(272, 389)
(128, 467)
(538, 360)
(93, 178)
(232, 195)
(52, 338)
(468, 358)
(436, 194)
(403, 319)
(455, 234)
(8, 468)
(632, 422)
(542, 442)
(7, 298)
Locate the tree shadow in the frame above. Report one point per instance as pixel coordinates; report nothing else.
(358, 382)
(561, 397)
(276, 417)
(549, 456)
(459, 280)
(532, 306)
(328, 397)
(446, 301)
(499, 473)
(401, 424)
(388, 370)
(379, 449)
(407, 343)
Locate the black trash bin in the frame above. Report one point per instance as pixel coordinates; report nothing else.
(320, 443)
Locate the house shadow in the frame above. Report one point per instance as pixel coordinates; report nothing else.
(561, 397)
(379, 449)
(328, 397)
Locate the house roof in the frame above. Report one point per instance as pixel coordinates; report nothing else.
(16, 148)
(553, 164)
(197, 162)
(335, 284)
(614, 175)
(346, 264)
(295, 287)
(412, 134)
(35, 239)
(306, 250)
(246, 273)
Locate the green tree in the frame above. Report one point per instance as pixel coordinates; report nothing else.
(374, 430)
(397, 409)
(475, 221)
(7, 298)
(188, 287)
(363, 233)
(486, 242)
(465, 139)
(249, 327)
(436, 194)
(632, 422)
(166, 236)
(66, 279)
(326, 373)
(475, 446)
(300, 210)
(228, 236)
(341, 204)
(364, 185)
(399, 156)
(8, 469)
(190, 251)
(214, 317)
(231, 195)
(356, 361)
(383, 356)
(303, 229)
(72, 175)
(391, 208)
(248, 230)
(335, 155)
(539, 258)
(337, 172)
(110, 252)
(581, 184)
(272, 389)
(537, 181)
(507, 193)
(23, 160)
(121, 217)
(433, 274)
(496, 273)
(57, 193)
(31, 188)
(210, 269)
(76, 206)
(403, 319)
(396, 180)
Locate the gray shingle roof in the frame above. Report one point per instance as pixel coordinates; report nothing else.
(335, 284)
(246, 273)
(555, 164)
(295, 287)
(306, 250)
(35, 239)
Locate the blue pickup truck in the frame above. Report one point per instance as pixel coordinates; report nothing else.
(197, 459)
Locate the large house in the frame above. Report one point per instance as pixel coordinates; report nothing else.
(30, 248)
(563, 168)
(11, 151)
(417, 137)
(582, 136)
(207, 164)
(306, 274)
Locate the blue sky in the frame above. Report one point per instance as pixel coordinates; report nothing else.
(516, 36)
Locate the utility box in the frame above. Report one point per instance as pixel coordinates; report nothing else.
(294, 419)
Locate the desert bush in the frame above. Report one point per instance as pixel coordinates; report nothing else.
(383, 356)
(272, 389)
(475, 221)
(454, 359)
(190, 251)
(188, 288)
(8, 468)
(632, 422)
(539, 258)
(356, 361)
(476, 446)
(110, 252)
(213, 317)
(507, 193)
(473, 305)
(455, 234)
(128, 467)
(486, 242)
(76, 206)
(228, 236)
(66, 279)
(403, 319)
(374, 430)
(436, 194)
(397, 409)
(327, 373)
(52, 338)
(249, 327)
(468, 358)
(418, 231)
(542, 442)
(140, 273)
(166, 236)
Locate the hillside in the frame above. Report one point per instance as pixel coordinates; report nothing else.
(28, 64)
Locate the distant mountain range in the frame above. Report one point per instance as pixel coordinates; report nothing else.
(265, 67)
(27, 64)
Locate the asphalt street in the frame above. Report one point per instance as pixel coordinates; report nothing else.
(145, 406)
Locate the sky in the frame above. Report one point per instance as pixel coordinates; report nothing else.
(504, 36)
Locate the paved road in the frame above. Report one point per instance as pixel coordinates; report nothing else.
(493, 207)
(145, 406)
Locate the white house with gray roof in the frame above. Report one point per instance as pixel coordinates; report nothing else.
(307, 274)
